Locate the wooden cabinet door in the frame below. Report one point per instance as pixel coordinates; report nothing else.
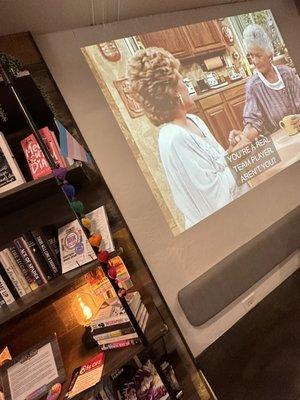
(204, 36)
(236, 107)
(174, 40)
(220, 120)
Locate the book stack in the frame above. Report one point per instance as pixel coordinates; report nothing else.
(111, 326)
(27, 263)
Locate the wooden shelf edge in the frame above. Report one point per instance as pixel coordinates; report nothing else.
(44, 292)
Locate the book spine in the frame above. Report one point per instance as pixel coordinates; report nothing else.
(46, 251)
(11, 273)
(37, 257)
(2, 302)
(112, 340)
(28, 276)
(19, 274)
(5, 293)
(120, 344)
(114, 334)
(24, 253)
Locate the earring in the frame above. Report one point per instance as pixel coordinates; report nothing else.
(180, 99)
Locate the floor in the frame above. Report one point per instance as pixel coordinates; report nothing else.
(259, 357)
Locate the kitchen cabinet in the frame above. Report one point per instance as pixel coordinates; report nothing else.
(223, 111)
(204, 37)
(186, 41)
(236, 107)
(221, 123)
(173, 40)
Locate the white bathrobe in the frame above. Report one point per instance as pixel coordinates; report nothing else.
(196, 170)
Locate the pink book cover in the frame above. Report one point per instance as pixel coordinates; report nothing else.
(37, 162)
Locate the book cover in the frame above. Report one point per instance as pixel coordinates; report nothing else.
(36, 160)
(116, 333)
(116, 339)
(25, 271)
(47, 251)
(24, 252)
(10, 173)
(74, 247)
(120, 344)
(37, 257)
(8, 267)
(53, 146)
(100, 224)
(100, 284)
(5, 293)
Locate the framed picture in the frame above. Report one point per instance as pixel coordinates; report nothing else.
(10, 173)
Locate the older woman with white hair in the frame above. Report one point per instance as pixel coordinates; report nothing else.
(271, 93)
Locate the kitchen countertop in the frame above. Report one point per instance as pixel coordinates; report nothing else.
(210, 92)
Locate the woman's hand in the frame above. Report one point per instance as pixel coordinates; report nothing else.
(296, 121)
(235, 136)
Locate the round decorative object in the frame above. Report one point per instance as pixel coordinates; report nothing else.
(77, 206)
(86, 222)
(112, 272)
(103, 256)
(95, 240)
(60, 173)
(69, 190)
(227, 35)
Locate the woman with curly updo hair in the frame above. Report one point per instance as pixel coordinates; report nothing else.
(193, 161)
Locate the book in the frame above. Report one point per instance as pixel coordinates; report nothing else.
(5, 293)
(114, 339)
(113, 313)
(37, 162)
(75, 250)
(7, 264)
(100, 225)
(120, 344)
(48, 246)
(8, 282)
(24, 252)
(10, 173)
(37, 257)
(27, 275)
(2, 301)
(86, 376)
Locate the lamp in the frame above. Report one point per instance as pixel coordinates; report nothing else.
(84, 308)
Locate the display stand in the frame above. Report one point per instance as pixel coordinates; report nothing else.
(9, 82)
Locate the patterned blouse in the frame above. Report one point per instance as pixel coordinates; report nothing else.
(265, 107)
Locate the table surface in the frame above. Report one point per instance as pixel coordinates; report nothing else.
(288, 148)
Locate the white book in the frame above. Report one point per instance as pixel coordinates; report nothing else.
(129, 336)
(5, 292)
(75, 250)
(11, 273)
(19, 274)
(100, 225)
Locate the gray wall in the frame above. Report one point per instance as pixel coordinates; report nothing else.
(173, 261)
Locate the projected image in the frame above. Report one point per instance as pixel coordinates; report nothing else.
(209, 110)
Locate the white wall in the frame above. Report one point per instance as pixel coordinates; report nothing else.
(173, 261)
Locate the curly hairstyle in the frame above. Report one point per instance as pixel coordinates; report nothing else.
(153, 83)
(255, 35)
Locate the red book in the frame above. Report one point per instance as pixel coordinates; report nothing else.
(36, 159)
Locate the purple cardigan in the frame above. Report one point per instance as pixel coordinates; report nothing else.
(265, 107)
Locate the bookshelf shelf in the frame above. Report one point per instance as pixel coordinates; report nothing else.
(75, 355)
(32, 191)
(44, 292)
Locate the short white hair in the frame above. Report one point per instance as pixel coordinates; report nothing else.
(255, 35)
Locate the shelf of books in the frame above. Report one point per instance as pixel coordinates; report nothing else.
(60, 283)
(75, 355)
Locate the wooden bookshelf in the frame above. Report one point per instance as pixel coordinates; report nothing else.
(47, 291)
(35, 190)
(74, 354)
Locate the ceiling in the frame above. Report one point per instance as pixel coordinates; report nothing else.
(42, 16)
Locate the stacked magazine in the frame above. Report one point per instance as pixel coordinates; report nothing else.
(111, 326)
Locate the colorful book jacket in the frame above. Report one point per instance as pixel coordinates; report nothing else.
(25, 253)
(35, 157)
